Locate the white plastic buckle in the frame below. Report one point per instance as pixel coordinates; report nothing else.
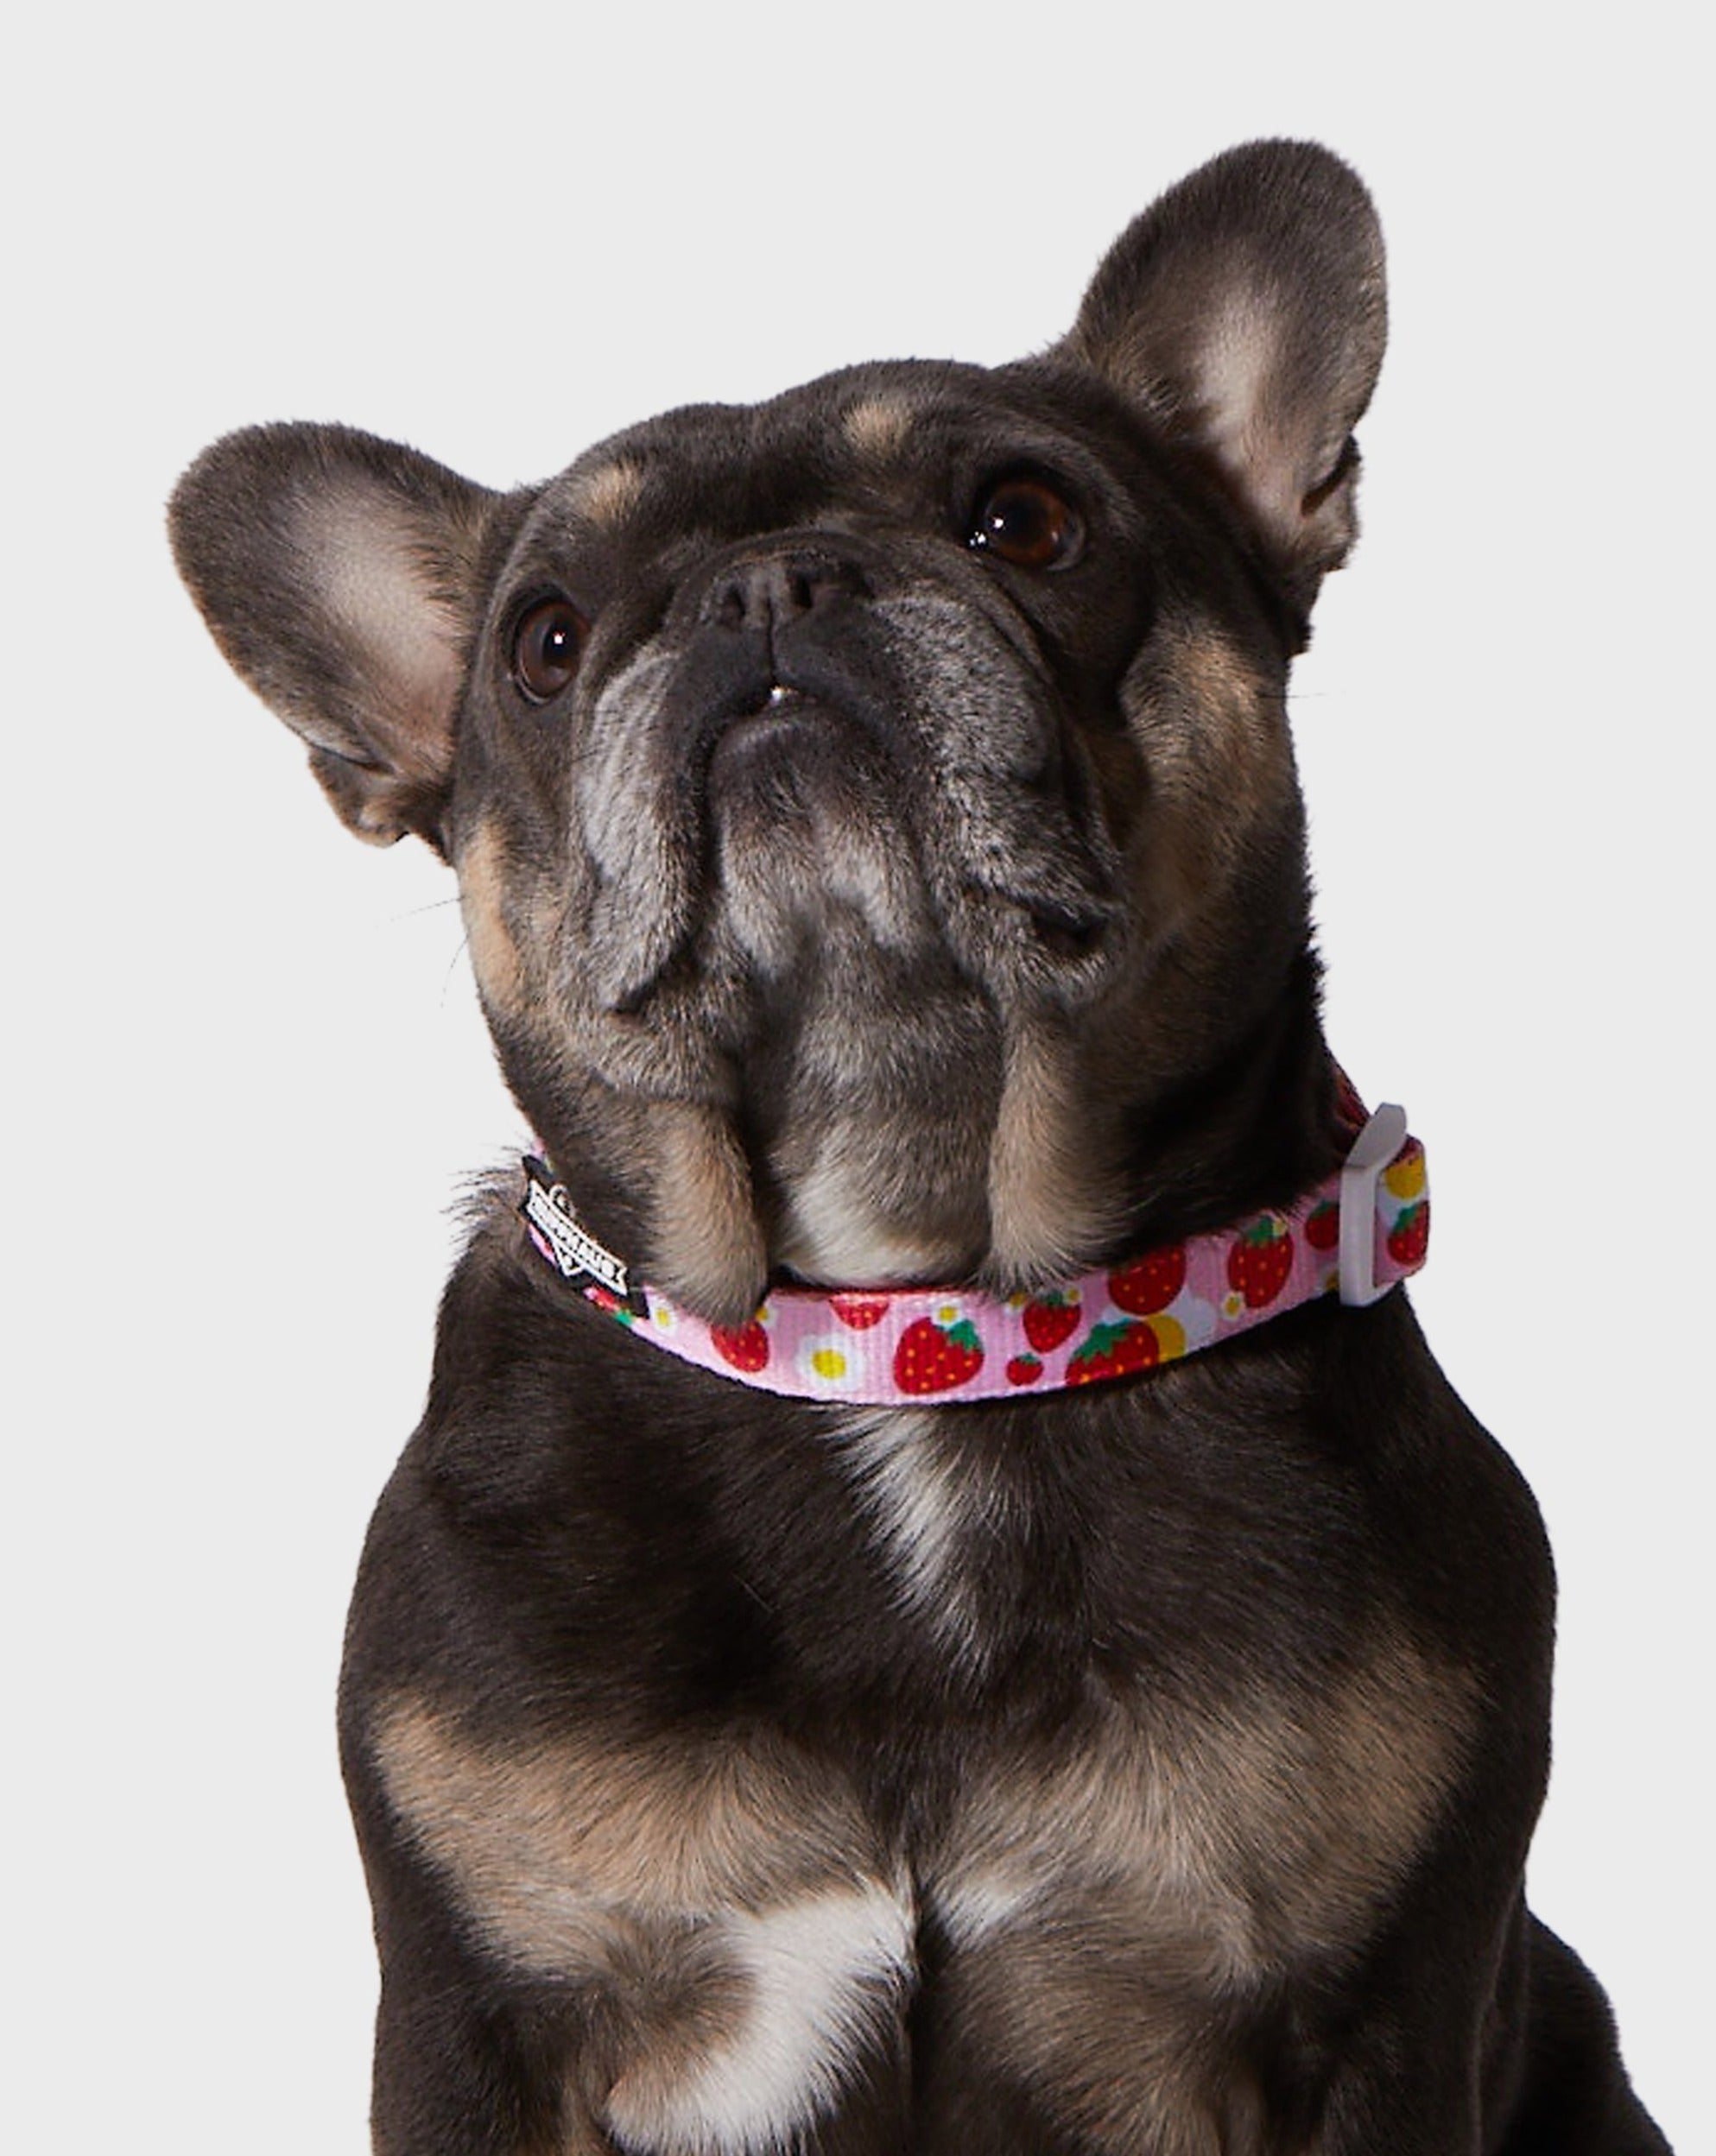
(1374, 1148)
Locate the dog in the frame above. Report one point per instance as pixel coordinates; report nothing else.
(939, 1600)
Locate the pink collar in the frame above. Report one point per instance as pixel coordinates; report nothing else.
(1360, 1231)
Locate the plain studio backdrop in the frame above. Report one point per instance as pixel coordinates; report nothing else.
(246, 1076)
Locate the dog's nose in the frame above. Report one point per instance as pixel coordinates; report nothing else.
(771, 591)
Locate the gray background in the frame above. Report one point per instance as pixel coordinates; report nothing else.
(245, 1075)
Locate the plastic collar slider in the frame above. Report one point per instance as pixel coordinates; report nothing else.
(1376, 1145)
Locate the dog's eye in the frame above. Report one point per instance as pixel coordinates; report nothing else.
(1027, 523)
(545, 646)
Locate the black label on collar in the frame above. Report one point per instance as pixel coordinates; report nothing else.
(563, 1239)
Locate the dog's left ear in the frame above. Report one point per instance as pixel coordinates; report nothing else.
(1246, 311)
(342, 577)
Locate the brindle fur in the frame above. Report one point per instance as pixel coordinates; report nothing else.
(1149, 1769)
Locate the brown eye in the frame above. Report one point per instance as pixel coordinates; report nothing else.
(545, 646)
(1026, 522)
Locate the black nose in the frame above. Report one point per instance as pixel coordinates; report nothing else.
(771, 591)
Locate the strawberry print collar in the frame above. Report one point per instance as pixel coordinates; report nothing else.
(1358, 1232)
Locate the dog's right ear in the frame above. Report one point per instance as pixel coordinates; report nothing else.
(342, 577)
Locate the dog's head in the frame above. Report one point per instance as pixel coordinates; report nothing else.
(873, 810)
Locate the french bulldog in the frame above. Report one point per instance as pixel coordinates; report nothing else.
(1111, 1719)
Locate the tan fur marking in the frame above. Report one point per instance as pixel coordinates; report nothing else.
(1225, 684)
(1101, 1911)
(548, 1845)
(1265, 1831)
(877, 427)
(707, 1240)
(608, 495)
(482, 891)
(1047, 1208)
(1219, 760)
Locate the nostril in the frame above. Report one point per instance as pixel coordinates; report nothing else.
(815, 580)
(777, 588)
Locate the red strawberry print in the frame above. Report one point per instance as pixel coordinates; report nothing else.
(1410, 1237)
(1023, 1370)
(1149, 1283)
(1113, 1350)
(859, 1312)
(1259, 1262)
(1049, 1320)
(932, 1359)
(746, 1347)
(1322, 1229)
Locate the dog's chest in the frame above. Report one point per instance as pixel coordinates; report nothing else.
(1130, 1546)
(1138, 1719)
(1096, 1911)
(1026, 1811)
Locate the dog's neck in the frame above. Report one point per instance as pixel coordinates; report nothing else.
(1356, 1232)
(1256, 1121)
(1008, 1168)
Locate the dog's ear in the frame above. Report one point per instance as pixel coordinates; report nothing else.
(342, 577)
(1246, 311)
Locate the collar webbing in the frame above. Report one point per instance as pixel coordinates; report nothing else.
(1360, 1231)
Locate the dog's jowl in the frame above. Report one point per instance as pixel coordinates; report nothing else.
(939, 1601)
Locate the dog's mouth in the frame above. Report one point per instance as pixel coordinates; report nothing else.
(785, 722)
(815, 798)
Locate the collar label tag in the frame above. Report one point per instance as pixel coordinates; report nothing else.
(562, 1236)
